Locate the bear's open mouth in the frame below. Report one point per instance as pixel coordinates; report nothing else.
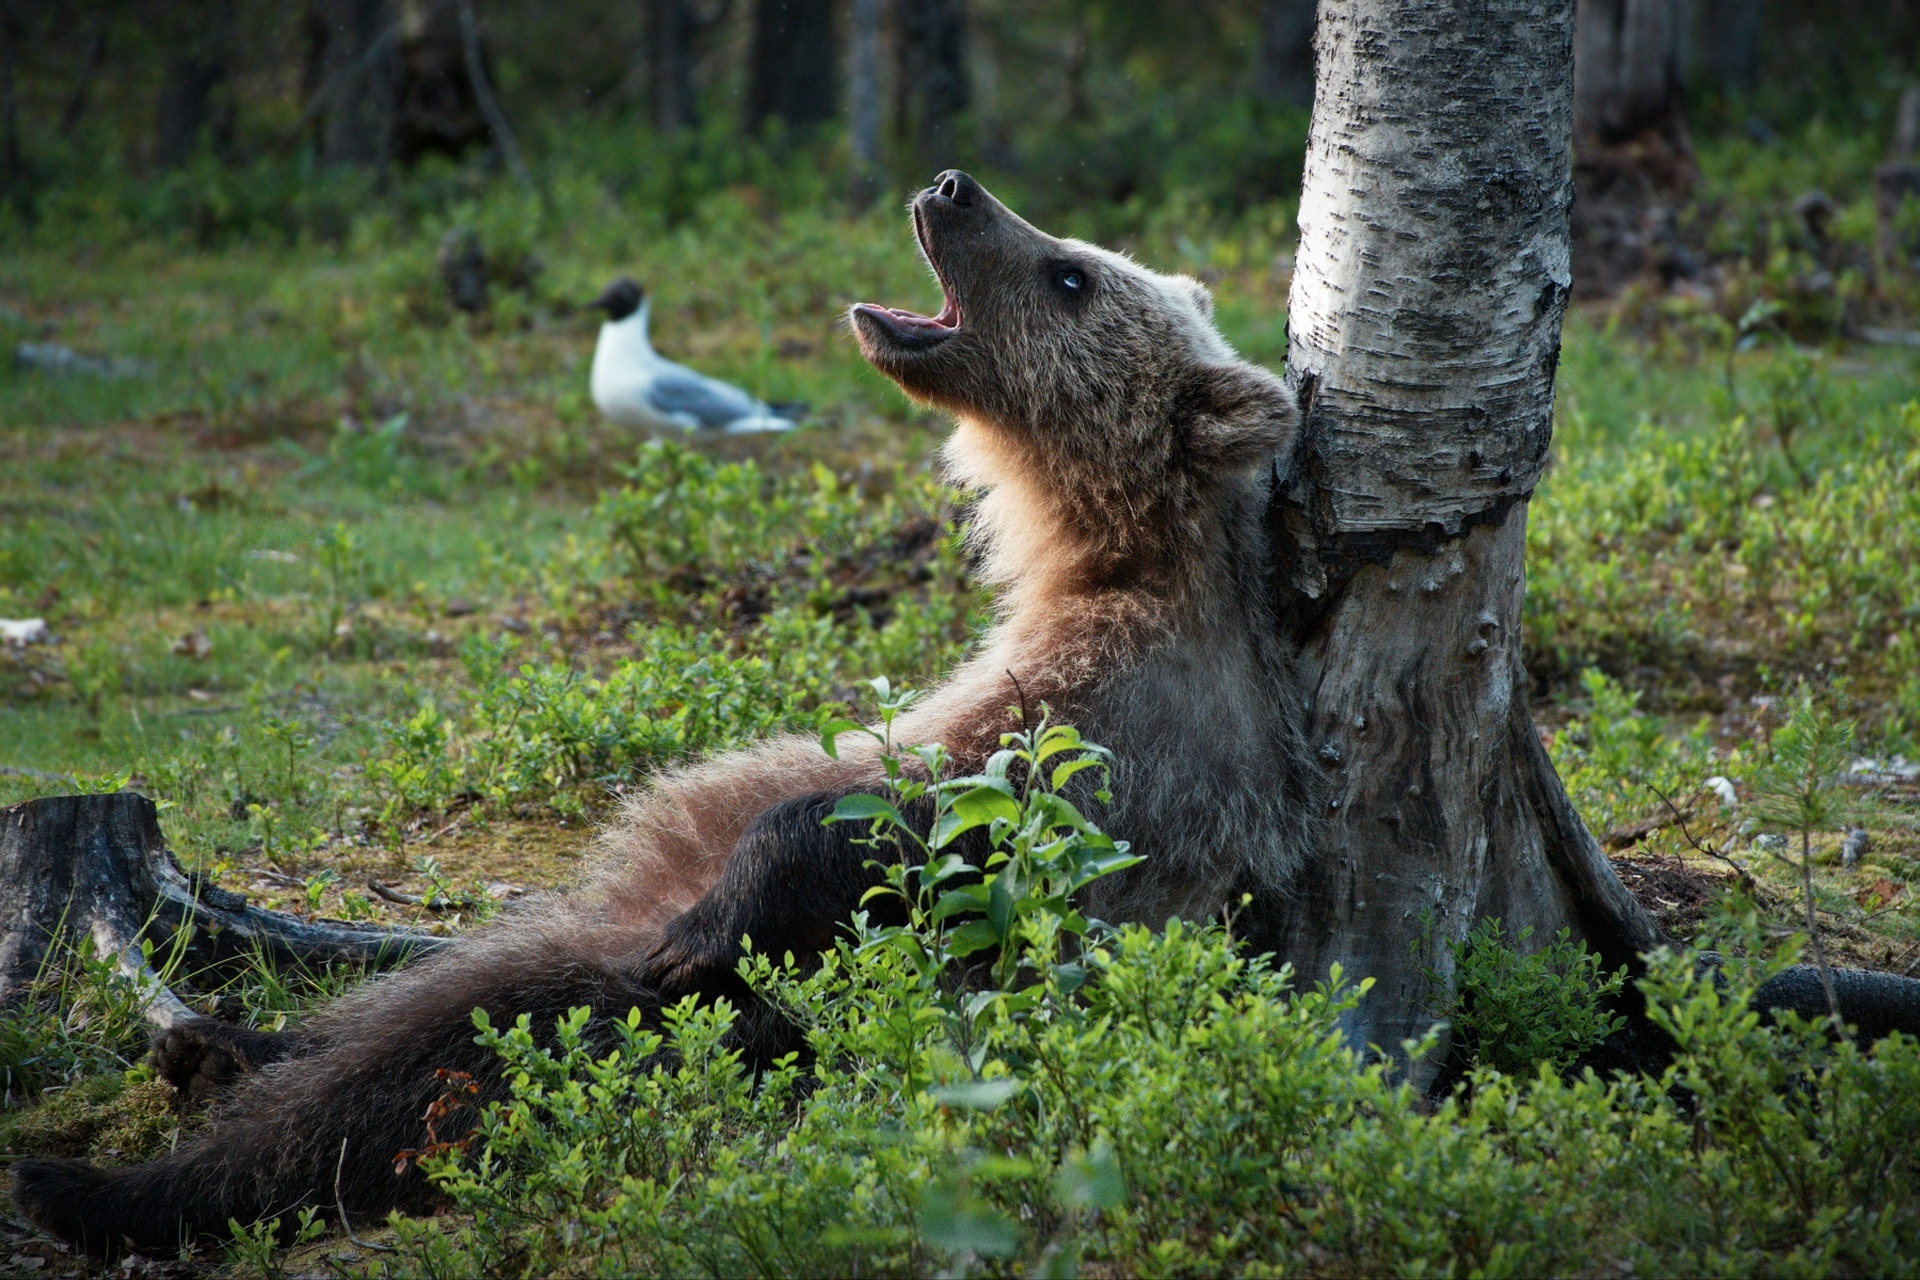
(910, 328)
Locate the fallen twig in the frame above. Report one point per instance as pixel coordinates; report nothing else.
(413, 899)
(1748, 884)
(1632, 833)
(340, 1207)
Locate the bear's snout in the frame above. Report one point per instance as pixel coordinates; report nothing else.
(956, 186)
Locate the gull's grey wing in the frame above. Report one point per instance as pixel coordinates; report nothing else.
(710, 403)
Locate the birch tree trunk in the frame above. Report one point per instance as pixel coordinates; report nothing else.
(1430, 283)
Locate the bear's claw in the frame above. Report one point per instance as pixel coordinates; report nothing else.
(201, 1059)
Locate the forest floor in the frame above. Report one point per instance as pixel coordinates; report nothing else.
(358, 590)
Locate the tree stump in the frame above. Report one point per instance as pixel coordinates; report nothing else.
(74, 867)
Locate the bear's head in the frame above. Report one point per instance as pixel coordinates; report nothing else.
(1096, 390)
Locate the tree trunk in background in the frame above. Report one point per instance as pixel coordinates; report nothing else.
(90, 62)
(1633, 155)
(1424, 321)
(1629, 70)
(436, 105)
(352, 78)
(671, 26)
(790, 72)
(195, 102)
(863, 102)
(931, 82)
(13, 169)
(1896, 185)
(1729, 44)
(1285, 72)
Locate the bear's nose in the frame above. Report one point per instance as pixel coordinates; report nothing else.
(957, 187)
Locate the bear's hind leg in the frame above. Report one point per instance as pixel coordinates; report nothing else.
(203, 1058)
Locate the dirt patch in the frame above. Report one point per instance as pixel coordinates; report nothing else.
(1677, 894)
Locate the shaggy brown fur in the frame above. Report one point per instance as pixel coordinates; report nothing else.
(1120, 447)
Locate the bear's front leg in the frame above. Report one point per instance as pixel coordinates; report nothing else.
(791, 884)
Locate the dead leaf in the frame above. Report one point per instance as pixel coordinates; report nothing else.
(194, 645)
(1879, 893)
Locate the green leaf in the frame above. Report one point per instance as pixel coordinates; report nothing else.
(1055, 740)
(1106, 865)
(1000, 903)
(973, 936)
(976, 808)
(943, 869)
(831, 731)
(953, 1220)
(1091, 1180)
(972, 897)
(855, 808)
(1062, 772)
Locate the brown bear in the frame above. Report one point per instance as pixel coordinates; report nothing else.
(1123, 453)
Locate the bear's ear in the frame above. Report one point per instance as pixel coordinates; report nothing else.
(1236, 416)
(1202, 296)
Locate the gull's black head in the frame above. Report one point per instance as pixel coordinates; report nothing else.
(620, 299)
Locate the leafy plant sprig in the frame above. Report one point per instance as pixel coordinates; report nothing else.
(1796, 787)
(1019, 904)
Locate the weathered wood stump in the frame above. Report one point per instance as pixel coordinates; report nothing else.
(74, 867)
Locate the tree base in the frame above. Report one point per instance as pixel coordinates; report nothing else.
(96, 867)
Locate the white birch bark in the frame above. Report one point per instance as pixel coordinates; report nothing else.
(1424, 324)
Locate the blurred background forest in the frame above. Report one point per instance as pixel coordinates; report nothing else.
(218, 119)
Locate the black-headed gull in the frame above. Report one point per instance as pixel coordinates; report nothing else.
(635, 387)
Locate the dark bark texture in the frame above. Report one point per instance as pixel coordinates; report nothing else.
(353, 78)
(1428, 294)
(792, 67)
(931, 85)
(74, 867)
(1634, 156)
(1285, 69)
(196, 107)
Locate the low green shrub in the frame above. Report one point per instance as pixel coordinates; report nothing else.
(550, 733)
(682, 512)
(1616, 761)
(1512, 1010)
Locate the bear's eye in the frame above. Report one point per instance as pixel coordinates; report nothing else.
(1071, 281)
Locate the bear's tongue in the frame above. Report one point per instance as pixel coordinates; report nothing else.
(947, 321)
